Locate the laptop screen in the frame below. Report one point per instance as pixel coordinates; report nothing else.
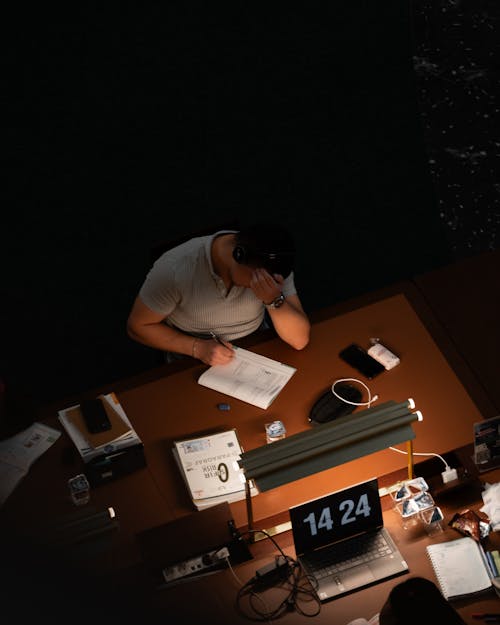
(337, 516)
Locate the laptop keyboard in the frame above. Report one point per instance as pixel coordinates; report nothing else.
(336, 558)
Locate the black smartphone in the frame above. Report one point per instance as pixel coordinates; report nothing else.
(95, 416)
(361, 360)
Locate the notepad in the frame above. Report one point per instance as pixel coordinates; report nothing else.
(249, 377)
(459, 567)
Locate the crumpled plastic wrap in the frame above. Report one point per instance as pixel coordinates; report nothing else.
(469, 523)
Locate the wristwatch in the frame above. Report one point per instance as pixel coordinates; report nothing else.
(276, 303)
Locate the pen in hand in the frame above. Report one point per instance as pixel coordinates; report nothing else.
(219, 340)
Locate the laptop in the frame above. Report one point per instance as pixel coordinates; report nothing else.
(341, 541)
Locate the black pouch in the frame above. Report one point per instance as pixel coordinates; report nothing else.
(329, 407)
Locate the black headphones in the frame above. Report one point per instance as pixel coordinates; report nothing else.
(240, 254)
(275, 262)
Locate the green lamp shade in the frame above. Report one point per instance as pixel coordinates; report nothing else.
(330, 444)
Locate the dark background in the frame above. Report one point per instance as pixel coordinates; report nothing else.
(369, 129)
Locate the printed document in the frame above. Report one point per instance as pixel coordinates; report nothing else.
(250, 377)
(19, 452)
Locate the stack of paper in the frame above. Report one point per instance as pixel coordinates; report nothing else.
(120, 436)
(210, 470)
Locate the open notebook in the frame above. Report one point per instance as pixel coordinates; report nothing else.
(340, 540)
(460, 567)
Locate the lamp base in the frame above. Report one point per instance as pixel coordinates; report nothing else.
(258, 535)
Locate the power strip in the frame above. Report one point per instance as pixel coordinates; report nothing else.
(195, 566)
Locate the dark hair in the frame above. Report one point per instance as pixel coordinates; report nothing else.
(417, 600)
(265, 245)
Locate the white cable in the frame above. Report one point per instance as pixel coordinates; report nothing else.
(415, 453)
(241, 583)
(353, 403)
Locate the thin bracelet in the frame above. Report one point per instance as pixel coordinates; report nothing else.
(193, 349)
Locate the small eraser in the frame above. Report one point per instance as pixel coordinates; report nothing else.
(384, 356)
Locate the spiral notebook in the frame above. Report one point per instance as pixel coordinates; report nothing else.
(460, 567)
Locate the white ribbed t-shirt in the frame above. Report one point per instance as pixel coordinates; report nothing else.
(183, 286)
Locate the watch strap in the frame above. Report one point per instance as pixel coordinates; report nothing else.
(277, 302)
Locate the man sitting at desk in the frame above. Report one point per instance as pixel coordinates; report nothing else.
(211, 290)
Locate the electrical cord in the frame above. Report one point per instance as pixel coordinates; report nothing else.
(448, 475)
(368, 403)
(447, 471)
(353, 403)
(228, 562)
(416, 453)
(298, 589)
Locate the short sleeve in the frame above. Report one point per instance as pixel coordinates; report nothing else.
(159, 291)
(289, 286)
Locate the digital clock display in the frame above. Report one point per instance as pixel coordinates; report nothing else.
(339, 515)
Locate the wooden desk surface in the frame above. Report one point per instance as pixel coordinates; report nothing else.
(172, 405)
(176, 407)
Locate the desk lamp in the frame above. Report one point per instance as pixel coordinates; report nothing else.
(328, 445)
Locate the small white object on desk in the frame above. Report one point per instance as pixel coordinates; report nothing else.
(275, 431)
(79, 489)
(383, 355)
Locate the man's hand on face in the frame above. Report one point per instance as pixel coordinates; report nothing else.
(266, 287)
